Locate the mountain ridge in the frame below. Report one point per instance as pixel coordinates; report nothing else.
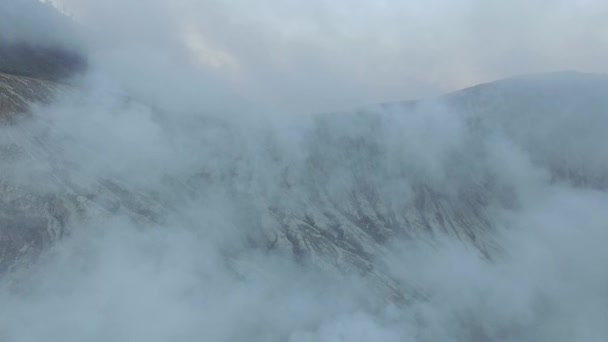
(347, 227)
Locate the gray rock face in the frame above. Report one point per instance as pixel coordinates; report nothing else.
(539, 112)
(16, 93)
(355, 185)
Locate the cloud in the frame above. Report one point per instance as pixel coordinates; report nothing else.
(323, 55)
(36, 23)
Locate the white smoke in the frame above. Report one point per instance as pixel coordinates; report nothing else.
(209, 141)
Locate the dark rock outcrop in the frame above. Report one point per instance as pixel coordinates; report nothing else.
(40, 62)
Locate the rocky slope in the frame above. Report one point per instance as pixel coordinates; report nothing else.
(18, 92)
(359, 181)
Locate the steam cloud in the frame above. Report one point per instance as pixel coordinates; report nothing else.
(198, 106)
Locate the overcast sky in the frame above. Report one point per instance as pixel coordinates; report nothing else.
(318, 55)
